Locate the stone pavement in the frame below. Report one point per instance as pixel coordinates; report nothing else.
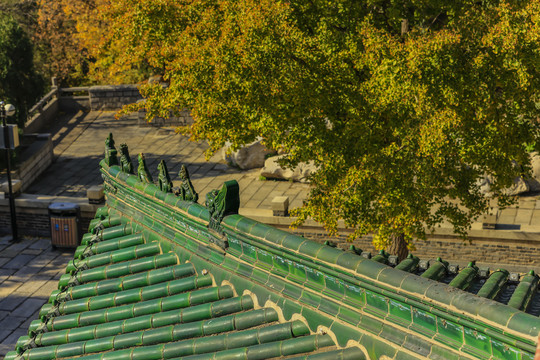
(29, 272)
(79, 143)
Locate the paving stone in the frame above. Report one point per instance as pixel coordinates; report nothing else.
(8, 287)
(27, 271)
(29, 319)
(59, 274)
(31, 251)
(9, 342)
(30, 286)
(19, 246)
(4, 240)
(46, 289)
(264, 192)
(295, 204)
(11, 302)
(5, 274)
(41, 244)
(523, 216)
(527, 203)
(45, 257)
(19, 262)
(9, 253)
(3, 335)
(11, 322)
(252, 204)
(4, 260)
(27, 308)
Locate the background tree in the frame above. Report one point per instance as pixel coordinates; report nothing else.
(23, 11)
(19, 82)
(60, 54)
(403, 106)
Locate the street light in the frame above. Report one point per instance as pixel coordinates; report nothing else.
(5, 111)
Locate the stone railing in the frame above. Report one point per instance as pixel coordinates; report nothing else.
(396, 313)
(95, 98)
(43, 113)
(39, 156)
(74, 99)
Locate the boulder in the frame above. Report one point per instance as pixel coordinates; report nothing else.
(272, 170)
(485, 184)
(520, 186)
(248, 157)
(534, 181)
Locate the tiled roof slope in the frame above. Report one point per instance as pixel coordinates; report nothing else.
(341, 304)
(124, 298)
(519, 291)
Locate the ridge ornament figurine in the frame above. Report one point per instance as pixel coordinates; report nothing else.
(142, 171)
(164, 180)
(186, 191)
(125, 159)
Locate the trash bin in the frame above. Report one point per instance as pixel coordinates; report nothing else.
(65, 224)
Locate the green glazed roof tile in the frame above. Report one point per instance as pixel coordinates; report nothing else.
(154, 279)
(352, 353)
(310, 248)
(121, 297)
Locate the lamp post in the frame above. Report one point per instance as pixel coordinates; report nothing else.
(5, 111)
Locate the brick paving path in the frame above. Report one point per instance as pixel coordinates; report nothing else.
(29, 272)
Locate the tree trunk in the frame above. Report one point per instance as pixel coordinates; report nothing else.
(398, 246)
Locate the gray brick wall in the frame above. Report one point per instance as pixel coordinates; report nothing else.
(522, 253)
(28, 223)
(35, 222)
(109, 97)
(182, 119)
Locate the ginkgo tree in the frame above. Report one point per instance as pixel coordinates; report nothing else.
(403, 105)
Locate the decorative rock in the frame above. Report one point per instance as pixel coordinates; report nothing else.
(250, 156)
(534, 182)
(280, 206)
(273, 170)
(95, 194)
(520, 186)
(485, 184)
(16, 186)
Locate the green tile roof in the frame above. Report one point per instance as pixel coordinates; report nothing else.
(159, 276)
(123, 298)
(519, 291)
